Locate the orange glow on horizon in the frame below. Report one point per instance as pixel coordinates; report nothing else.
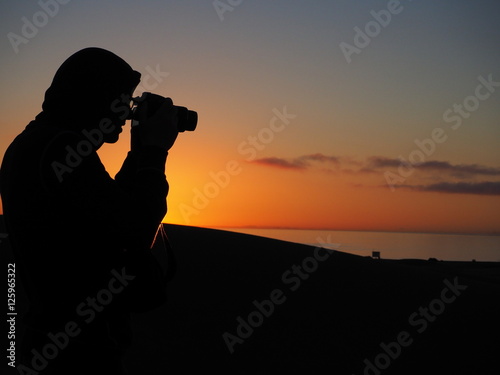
(203, 192)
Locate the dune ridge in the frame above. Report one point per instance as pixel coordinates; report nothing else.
(333, 317)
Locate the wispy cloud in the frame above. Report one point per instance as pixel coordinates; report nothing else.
(321, 158)
(446, 177)
(375, 163)
(479, 188)
(281, 163)
(301, 162)
(379, 163)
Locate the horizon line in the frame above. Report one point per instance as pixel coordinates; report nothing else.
(349, 230)
(274, 227)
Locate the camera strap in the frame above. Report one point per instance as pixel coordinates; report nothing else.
(164, 254)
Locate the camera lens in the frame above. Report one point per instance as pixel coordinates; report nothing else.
(187, 120)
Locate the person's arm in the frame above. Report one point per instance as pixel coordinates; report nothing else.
(144, 167)
(142, 176)
(116, 220)
(129, 208)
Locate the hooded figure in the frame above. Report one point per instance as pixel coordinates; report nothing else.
(84, 87)
(80, 237)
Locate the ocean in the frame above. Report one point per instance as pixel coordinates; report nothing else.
(392, 245)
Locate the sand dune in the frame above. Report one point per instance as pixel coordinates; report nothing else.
(242, 304)
(336, 314)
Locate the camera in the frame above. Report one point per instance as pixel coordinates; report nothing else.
(187, 119)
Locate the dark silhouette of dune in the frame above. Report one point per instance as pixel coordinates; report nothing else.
(334, 322)
(242, 304)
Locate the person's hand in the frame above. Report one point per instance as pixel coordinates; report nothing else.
(160, 129)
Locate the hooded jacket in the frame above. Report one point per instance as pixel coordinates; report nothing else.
(72, 227)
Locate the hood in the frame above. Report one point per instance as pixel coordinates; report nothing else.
(84, 87)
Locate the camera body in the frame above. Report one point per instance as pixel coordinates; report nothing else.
(187, 119)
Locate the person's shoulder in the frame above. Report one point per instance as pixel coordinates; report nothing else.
(38, 136)
(28, 146)
(58, 152)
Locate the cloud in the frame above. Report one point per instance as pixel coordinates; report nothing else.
(281, 163)
(479, 188)
(460, 170)
(321, 158)
(379, 164)
(301, 162)
(442, 174)
(375, 163)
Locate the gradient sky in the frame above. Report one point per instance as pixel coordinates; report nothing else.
(304, 122)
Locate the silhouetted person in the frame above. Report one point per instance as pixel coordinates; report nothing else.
(80, 237)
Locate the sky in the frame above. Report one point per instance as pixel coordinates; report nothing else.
(348, 115)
